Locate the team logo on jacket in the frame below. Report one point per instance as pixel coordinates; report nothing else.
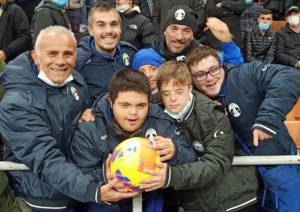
(126, 59)
(234, 110)
(179, 14)
(75, 93)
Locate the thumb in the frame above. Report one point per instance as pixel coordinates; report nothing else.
(255, 138)
(112, 183)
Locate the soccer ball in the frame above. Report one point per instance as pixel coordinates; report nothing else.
(130, 158)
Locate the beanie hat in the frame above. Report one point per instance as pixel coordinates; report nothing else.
(182, 15)
(146, 57)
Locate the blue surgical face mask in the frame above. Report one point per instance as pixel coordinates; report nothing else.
(60, 3)
(264, 27)
(248, 1)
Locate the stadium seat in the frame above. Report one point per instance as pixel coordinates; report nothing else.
(294, 130)
(294, 114)
(276, 25)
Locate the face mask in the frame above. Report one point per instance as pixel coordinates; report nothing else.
(248, 1)
(42, 76)
(60, 3)
(122, 8)
(264, 27)
(293, 20)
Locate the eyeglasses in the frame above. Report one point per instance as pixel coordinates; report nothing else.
(212, 71)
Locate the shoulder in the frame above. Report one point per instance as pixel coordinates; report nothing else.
(125, 46)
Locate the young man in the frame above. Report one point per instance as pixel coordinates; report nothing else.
(261, 41)
(38, 115)
(257, 98)
(101, 54)
(288, 42)
(148, 61)
(127, 113)
(211, 183)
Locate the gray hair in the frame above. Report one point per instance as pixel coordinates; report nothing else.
(53, 30)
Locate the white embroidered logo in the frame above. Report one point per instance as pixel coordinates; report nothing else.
(234, 110)
(126, 59)
(75, 93)
(179, 14)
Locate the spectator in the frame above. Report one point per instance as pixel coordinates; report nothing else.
(145, 6)
(14, 31)
(136, 28)
(38, 115)
(251, 93)
(261, 41)
(147, 61)
(288, 41)
(49, 13)
(161, 8)
(211, 183)
(249, 17)
(126, 113)
(102, 53)
(178, 38)
(228, 11)
(74, 11)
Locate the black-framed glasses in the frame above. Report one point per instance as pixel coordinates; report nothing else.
(212, 71)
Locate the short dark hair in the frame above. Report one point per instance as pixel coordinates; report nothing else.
(128, 80)
(199, 53)
(266, 12)
(102, 6)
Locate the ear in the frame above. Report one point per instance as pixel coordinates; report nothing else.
(35, 58)
(109, 101)
(90, 29)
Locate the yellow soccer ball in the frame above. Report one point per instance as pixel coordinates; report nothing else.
(130, 158)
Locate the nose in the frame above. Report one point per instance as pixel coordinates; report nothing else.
(133, 110)
(179, 35)
(173, 97)
(60, 60)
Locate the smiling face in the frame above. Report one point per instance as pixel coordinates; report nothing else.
(151, 73)
(56, 56)
(130, 109)
(211, 86)
(105, 27)
(174, 95)
(178, 37)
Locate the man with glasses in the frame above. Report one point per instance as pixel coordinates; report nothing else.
(257, 98)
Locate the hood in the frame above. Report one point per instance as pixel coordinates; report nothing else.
(48, 4)
(19, 72)
(160, 47)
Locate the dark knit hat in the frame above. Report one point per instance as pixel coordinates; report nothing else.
(182, 15)
(146, 57)
(292, 9)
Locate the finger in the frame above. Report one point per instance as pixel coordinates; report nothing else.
(255, 138)
(165, 158)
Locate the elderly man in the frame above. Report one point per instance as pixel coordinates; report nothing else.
(38, 115)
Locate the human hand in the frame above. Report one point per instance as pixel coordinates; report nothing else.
(2, 55)
(219, 5)
(219, 29)
(259, 135)
(109, 194)
(298, 64)
(164, 147)
(158, 180)
(87, 115)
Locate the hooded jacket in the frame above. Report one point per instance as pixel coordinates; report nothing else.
(262, 103)
(37, 122)
(137, 29)
(15, 35)
(211, 183)
(97, 68)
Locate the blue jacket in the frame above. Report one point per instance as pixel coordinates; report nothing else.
(37, 122)
(97, 68)
(93, 141)
(260, 96)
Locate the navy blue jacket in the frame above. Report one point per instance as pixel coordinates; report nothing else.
(93, 141)
(37, 122)
(97, 69)
(260, 96)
